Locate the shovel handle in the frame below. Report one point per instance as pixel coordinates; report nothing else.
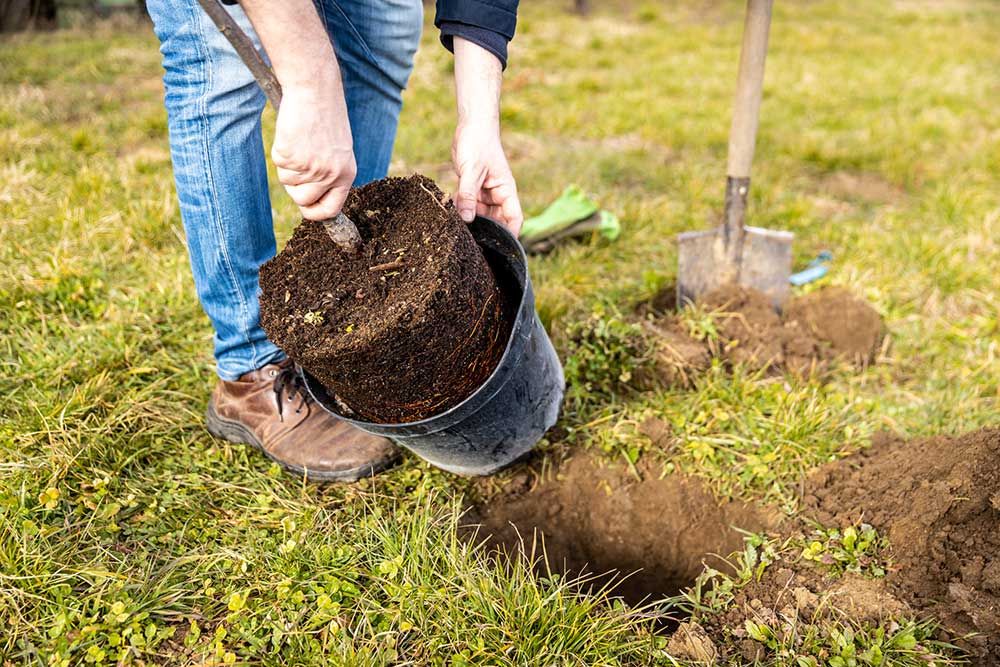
(341, 230)
(246, 50)
(743, 132)
(749, 86)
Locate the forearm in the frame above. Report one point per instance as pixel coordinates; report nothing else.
(296, 43)
(478, 77)
(488, 23)
(485, 183)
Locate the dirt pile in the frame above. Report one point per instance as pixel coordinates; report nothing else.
(402, 330)
(795, 600)
(610, 522)
(740, 327)
(938, 501)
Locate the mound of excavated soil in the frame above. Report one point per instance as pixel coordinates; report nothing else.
(790, 596)
(938, 501)
(607, 522)
(814, 331)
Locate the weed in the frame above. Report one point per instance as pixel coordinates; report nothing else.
(313, 317)
(827, 637)
(714, 590)
(607, 357)
(700, 323)
(849, 644)
(853, 549)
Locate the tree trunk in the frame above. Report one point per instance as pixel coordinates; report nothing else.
(22, 14)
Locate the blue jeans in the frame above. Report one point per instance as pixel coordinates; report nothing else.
(214, 108)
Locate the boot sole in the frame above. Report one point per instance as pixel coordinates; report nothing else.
(238, 433)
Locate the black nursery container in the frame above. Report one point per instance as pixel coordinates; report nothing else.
(512, 410)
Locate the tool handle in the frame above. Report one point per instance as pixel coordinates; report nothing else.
(743, 132)
(246, 50)
(749, 85)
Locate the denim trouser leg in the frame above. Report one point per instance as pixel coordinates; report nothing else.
(213, 109)
(375, 41)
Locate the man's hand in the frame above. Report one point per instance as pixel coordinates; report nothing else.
(313, 150)
(312, 147)
(485, 183)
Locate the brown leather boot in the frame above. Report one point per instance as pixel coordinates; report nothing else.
(270, 409)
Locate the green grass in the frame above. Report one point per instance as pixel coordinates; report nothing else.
(126, 530)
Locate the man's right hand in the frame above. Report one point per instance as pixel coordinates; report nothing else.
(313, 149)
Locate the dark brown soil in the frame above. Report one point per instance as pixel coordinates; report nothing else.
(815, 331)
(404, 329)
(610, 522)
(938, 501)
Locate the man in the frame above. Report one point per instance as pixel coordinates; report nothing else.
(342, 65)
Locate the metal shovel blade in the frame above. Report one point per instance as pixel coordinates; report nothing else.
(705, 265)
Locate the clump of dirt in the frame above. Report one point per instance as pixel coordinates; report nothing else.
(793, 598)
(814, 331)
(611, 523)
(938, 501)
(407, 327)
(842, 325)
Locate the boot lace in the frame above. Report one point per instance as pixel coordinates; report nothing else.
(287, 386)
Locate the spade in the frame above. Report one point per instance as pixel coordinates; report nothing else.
(734, 253)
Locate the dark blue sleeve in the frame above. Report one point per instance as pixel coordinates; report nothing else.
(488, 23)
(493, 42)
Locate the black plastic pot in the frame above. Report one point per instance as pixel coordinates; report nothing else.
(510, 412)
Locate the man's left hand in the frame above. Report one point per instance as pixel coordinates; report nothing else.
(485, 183)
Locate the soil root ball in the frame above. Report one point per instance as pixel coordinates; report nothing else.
(403, 329)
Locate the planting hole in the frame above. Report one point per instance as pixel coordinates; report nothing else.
(648, 536)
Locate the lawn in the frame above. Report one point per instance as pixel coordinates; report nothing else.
(129, 535)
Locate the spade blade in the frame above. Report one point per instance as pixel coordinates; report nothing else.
(704, 264)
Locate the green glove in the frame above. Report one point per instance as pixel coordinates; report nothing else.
(572, 214)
